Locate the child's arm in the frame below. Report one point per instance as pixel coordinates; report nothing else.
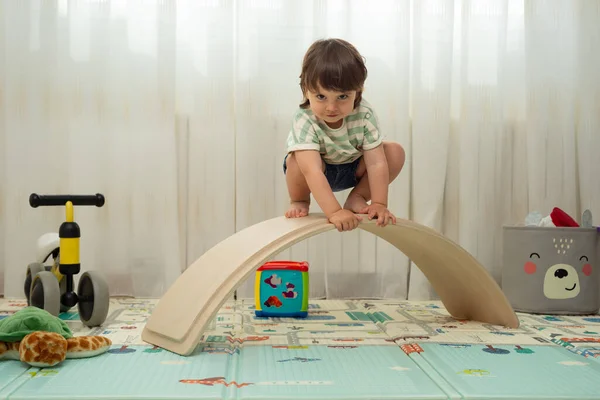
(310, 163)
(379, 179)
(378, 172)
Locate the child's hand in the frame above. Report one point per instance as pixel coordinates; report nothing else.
(345, 220)
(381, 212)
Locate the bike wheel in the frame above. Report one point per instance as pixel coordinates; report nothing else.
(94, 299)
(32, 270)
(45, 292)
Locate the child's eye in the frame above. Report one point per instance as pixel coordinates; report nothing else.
(320, 97)
(343, 97)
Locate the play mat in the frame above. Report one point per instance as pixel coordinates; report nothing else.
(345, 349)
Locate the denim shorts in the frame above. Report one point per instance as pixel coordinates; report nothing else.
(339, 176)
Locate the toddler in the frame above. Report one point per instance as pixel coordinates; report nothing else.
(335, 143)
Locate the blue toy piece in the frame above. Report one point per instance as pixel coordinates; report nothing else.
(281, 289)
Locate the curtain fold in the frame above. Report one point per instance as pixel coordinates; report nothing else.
(177, 111)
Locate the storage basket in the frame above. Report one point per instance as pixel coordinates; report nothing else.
(551, 270)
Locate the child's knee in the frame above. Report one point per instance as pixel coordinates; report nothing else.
(395, 154)
(291, 164)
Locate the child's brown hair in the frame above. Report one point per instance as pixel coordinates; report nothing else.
(334, 64)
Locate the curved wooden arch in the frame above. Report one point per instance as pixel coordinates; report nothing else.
(464, 286)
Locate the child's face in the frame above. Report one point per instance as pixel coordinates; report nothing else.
(331, 106)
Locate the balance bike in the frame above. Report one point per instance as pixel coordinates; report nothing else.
(50, 287)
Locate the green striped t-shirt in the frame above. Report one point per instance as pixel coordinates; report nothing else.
(359, 132)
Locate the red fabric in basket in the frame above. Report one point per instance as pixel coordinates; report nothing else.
(561, 218)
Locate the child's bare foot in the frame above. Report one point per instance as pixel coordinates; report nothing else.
(356, 203)
(298, 209)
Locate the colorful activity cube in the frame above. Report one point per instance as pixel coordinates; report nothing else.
(281, 289)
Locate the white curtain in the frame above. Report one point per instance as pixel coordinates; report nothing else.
(177, 111)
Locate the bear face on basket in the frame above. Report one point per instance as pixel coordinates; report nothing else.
(550, 269)
(561, 280)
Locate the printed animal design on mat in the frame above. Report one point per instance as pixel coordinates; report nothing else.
(500, 333)
(455, 345)
(591, 352)
(153, 349)
(219, 380)
(43, 372)
(523, 350)
(221, 350)
(247, 339)
(560, 267)
(580, 340)
(124, 349)
(300, 359)
(474, 372)
(495, 350)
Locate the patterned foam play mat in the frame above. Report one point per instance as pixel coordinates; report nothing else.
(343, 350)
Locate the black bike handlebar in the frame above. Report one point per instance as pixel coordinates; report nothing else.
(36, 200)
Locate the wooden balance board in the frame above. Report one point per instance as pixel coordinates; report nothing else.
(178, 321)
